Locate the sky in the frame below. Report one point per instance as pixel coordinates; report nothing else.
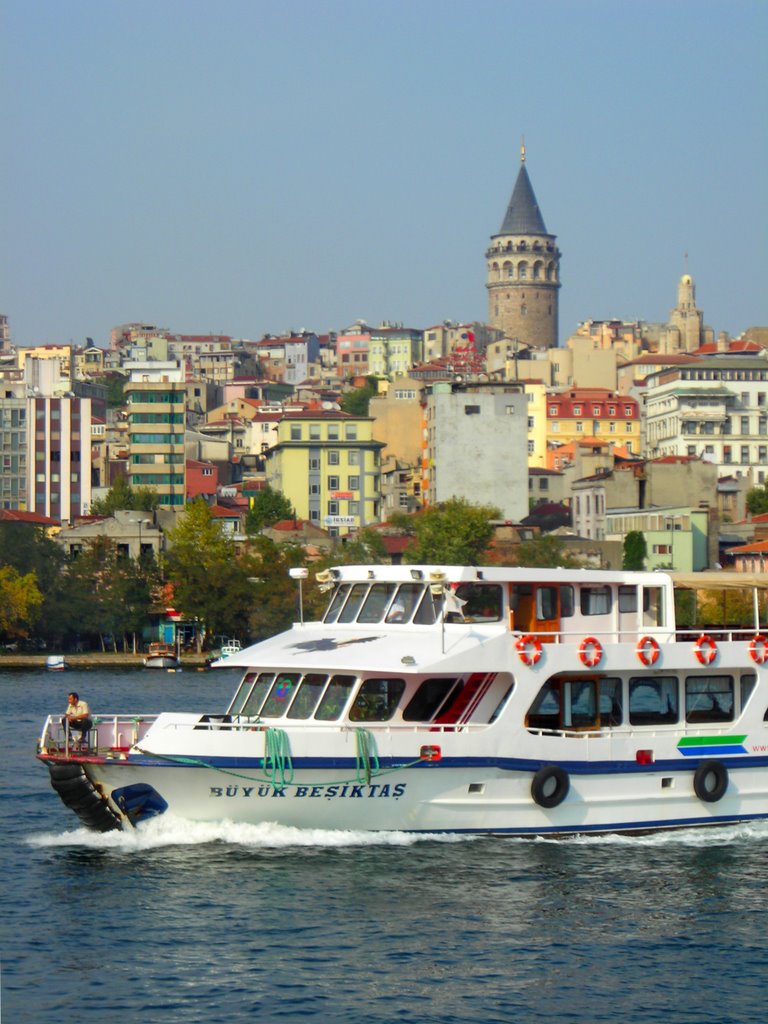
(250, 166)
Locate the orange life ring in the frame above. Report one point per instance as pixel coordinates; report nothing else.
(705, 650)
(758, 649)
(647, 651)
(590, 651)
(529, 649)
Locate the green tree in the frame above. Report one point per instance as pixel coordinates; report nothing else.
(455, 532)
(356, 402)
(635, 551)
(545, 552)
(268, 507)
(28, 549)
(209, 584)
(20, 602)
(757, 500)
(273, 597)
(118, 497)
(114, 383)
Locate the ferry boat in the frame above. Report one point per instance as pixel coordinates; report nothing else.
(162, 655)
(441, 699)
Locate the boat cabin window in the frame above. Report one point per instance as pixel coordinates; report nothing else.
(709, 699)
(611, 705)
(377, 700)
(564, 703)
(309, 693)
(281, 694)
(376, 602)
(627, 599)
(567, 604)
(337, 602)
(748, 683)
(595, 600)
(256, 697)
(428, 699)
(402, 607)
(653, 701)
(335, 698)
(653, 607)
(482, 601)
(430, 608)
(546, 603)
(354, 601)
(241, 696)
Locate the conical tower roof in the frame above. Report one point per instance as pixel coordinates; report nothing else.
(523, 213)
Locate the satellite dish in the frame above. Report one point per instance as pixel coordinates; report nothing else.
(327, 406)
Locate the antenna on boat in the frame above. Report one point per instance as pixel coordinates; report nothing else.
(300, 574)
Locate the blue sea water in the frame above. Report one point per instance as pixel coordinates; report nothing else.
(226, 923)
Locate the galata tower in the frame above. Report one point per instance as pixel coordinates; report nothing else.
(524, 271)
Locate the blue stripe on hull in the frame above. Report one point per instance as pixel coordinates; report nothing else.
(502, 764)
(716, 750)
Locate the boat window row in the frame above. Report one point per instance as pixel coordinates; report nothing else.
(370, 603)
(325, 698)
(566, 702)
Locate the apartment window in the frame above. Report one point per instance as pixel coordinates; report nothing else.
(353, 457)
(762, 454)
(595, 410)
(611, 428)
(314, 432)
(333, 508)
(530, 422)
(579, 427)
(473, 410)
(577, 410)
(295, 431)
(353, 483)
(333, 432)
(611, 410)
(333, 457)
(691, 450)
(350, 431)
(353, 508)
(745, 454)
(333, 483)
(627, 410)
(762, 425)
(314, 462)
(726, 454)
(745, 424)
(531, 447)
(553, 410)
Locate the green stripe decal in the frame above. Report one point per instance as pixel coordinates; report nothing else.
(710, 741)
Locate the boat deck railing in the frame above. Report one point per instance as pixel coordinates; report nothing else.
(721, 634)
(109, 734)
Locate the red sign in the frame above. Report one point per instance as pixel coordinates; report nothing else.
(342, 494)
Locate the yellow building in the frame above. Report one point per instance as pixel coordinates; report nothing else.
(580, 413)
(536, 399)
(329, 467)
(61, 353)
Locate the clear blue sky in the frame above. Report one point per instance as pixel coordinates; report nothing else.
(245, 166)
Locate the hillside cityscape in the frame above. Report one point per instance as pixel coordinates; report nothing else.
(630, 426)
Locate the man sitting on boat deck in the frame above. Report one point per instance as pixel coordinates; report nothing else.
(77, 716)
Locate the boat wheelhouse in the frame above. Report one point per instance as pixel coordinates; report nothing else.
(452, 699)
(162, 655)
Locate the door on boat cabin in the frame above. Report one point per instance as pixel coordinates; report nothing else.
(536, 608)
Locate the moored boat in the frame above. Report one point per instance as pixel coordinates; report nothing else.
(450, 699)
(56, 663)
(161, 655)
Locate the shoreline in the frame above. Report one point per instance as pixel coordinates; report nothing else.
(95, 659)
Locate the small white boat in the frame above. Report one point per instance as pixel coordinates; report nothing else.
(56, 663)
(228, 648)
(160, 655)
(506, 701)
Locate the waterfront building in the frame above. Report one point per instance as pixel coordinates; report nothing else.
(594, 412)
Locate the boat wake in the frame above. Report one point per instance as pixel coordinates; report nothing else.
(167, 831)
(684, 837)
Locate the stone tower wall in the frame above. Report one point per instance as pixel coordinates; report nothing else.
(523, 282)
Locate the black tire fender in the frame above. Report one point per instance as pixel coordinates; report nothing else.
(710, 781)
(550, 785)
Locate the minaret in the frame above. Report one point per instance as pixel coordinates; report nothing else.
(524, 270)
